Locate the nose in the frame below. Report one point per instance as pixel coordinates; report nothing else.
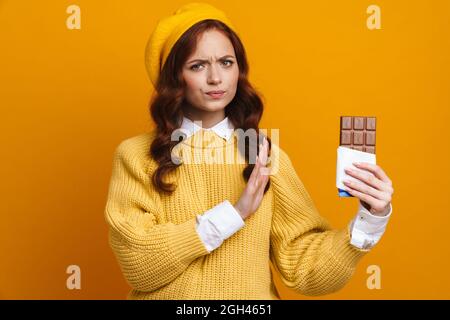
(214, 75)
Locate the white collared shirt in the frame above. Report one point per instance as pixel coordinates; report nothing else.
(220, 222)
(223, 129)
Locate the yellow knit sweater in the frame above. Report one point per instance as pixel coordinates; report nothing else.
(161, 255)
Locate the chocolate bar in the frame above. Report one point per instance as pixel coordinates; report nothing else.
(358, 133)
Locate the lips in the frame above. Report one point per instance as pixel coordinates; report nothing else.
(216, 94)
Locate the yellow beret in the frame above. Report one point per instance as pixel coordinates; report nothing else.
(171, 28)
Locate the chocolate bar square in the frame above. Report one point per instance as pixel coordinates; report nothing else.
(358, 133)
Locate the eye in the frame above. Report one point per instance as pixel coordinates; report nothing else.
(195, 67)
(231, 62)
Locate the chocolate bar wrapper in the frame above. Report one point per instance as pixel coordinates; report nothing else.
(345, 159)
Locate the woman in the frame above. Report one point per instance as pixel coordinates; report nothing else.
(184, 229)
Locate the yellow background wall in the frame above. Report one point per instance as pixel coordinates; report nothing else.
(68, 97)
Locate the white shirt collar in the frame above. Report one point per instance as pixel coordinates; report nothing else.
(223, 129)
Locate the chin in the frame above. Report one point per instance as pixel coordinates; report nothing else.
(214, 106)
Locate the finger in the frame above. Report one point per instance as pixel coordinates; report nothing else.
(260, 193)
(258, 171)
(375, 169)
(261, 152)
(374, 203)
(364, 188)
(264, 151)
(262, 184)
(254, 173)
(367, 179)
(259, 162)
(265, 171)
(260, 176)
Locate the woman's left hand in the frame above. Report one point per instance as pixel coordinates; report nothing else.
(374, 191)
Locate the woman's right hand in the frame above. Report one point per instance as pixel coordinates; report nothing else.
(253, 193)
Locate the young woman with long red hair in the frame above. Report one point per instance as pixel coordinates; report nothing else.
(188, 229)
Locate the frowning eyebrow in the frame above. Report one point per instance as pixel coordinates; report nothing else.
(207, 61)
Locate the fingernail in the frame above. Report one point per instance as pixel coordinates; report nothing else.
(356, 163)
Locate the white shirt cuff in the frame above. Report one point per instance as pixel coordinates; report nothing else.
(218, 224)
(366, 228)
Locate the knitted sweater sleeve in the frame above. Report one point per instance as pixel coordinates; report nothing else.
(311, 258)
(149, 254)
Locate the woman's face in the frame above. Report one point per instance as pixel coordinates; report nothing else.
(212, 67)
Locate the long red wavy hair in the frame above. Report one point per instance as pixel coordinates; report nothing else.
(244, 111)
